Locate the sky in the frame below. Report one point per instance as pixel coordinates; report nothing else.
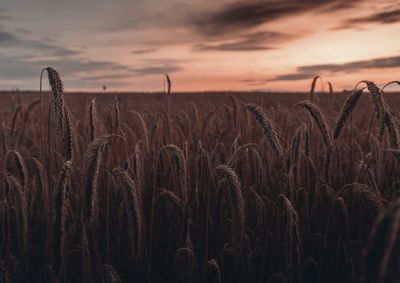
(241, 45)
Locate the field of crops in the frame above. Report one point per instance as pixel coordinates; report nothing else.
(205, 187)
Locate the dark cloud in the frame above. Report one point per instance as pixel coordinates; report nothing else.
(254, 82)
(386, 62)
(144, 51)
(64, 52)
(42, 46)
(293, 77)
(76, 72)
(35, 54)
(3, 14)
(235, 46)
(242, 15)
(385, 17)
(106, 77)
(157, 70)
(251, 42)
(307, 72)
(7, 39)
(25, 68)
(23, 31)
(340, 5)
(13, 40)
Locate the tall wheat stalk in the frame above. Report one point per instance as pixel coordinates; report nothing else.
(267, 127)
(92, 120)
(60, 217)
(92, 166)
(319, 119)
(347, 108)
(135, 220)
(238, 213)
(383, 253)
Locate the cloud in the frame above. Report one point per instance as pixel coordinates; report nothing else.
(23, 31)
(157, 70)
(76, 72)
(29, 56)
(25, 68)
(255, 82)
(129, 72)
(242, 15)
(385, 17)
(235, 46)
(341, 5)
(252, 42)
(385, 62)
(106, 77)
(8, 39)
(306, 72)
(293, 77)
(3, 15)
(14, 41)
(144, 51)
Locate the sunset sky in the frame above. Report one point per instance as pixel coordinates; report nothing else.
(204, 45)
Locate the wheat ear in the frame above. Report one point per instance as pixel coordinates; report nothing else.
(238, 214)
(377, 100)
(267, 127)
(92, 166)
(182, 171)
(135, 219)
(110, 274)
(316, 113)
(392, 129)
(57, 87)
(313, 84)
(383, 252)
(347, 108)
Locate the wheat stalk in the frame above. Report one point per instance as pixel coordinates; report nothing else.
(291, 242)
(377, 100)
(319, 119)
(131, 200)
(60, 217)
(144, 129)
(181, 171)
(57, 87)
(15, 117)
(347, 108)
(392, 128)
(67, 136)
(19, 164)
(185, 265)
(267, 127)
(22, 210)
(168, 83)
(86, 257)
(92, 120)
(238, 213)
(92, 166)
(213, 271)
(117, 114)
(25, 121)
(110, 274)
(313, 84)
(330, 88)
(383, 253)
(5, 235)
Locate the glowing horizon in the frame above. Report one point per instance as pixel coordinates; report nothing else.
(231, 45)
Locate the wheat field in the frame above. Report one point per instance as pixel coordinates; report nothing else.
(208, 187)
